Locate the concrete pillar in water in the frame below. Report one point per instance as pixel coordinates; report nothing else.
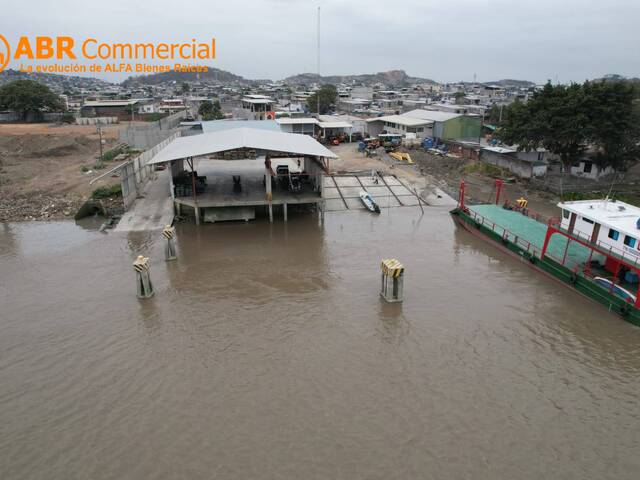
(197, 211)
(284, 206)
(144, 286)
(392, 288)
(170, 248)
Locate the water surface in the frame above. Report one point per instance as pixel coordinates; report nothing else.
(267, 353)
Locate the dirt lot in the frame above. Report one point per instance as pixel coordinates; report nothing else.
(41, 173)
(350, 160)
(480, 188)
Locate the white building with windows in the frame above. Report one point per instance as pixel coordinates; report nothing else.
(401, 124)
(258, 107)
(611, 224)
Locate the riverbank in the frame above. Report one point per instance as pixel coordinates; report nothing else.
(45, 169)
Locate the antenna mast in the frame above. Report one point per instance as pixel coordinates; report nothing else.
(318, 63)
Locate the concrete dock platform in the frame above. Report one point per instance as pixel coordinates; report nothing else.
(153, 211)
(342, 192)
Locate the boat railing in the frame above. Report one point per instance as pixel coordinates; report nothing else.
(610, 249)
(506, 234)
(579, 268)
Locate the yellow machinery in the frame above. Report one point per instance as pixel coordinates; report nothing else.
(403, 157)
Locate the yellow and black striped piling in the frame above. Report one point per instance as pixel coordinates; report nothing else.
(169, 233)
(392, 288)
(144, 287)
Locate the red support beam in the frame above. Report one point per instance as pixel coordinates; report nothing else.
(499, 184)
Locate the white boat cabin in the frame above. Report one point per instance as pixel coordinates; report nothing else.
(609, 223)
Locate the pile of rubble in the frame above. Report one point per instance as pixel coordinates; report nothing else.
(38, 207)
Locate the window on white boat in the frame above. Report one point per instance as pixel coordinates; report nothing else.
(588, 220)
(614, 234)
(629, 241)
(566, 213)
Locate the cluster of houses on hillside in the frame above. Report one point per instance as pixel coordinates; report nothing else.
(451, 117)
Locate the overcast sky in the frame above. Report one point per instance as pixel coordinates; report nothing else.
(446, 40)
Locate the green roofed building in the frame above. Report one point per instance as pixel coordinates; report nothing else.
(450, 126)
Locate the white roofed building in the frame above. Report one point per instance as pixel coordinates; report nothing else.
(407, 126)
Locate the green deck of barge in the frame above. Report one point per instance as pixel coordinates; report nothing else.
(534, 232)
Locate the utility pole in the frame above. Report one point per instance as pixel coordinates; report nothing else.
(318, 64)
(100, 135)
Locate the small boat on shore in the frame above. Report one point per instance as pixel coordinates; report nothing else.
(368, 202)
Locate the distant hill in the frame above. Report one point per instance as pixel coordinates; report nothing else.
(395, 78)
(213, 75)
(60, 82)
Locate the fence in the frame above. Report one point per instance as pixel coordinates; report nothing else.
(560, 183)
(9, 117)
(146, 136)
(96, 120)
(136, 172)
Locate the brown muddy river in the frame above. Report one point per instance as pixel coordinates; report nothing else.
(267, 353)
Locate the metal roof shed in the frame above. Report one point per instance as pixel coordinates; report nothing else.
(216, 142)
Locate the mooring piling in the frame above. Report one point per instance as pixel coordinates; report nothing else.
(392, 288)
(144, 287)
(170, 248)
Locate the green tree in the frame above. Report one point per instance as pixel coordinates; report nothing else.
(209, 110)
(569, 119)
(327, 95)
(494, 115)
(459, 98)
(555, 118)
(29, 97)
(184, 89)
(614, 122)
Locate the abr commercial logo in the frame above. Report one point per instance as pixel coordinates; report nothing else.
(5, 53)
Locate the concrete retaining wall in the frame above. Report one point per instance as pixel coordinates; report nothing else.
(144, 137)
(96, 120)
(135, 173)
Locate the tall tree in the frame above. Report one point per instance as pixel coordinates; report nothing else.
(614, 122)
(555, 118)
(327, 95)
(209, 110)
(29, 97)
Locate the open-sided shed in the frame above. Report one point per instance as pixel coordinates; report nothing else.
(255, 183)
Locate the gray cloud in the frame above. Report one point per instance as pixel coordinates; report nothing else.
(444, 40)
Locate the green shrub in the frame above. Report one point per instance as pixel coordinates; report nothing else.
(106, 192)
(68, 117)
(84, 168)
(98, 166)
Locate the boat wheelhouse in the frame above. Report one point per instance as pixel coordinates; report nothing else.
(610, 224)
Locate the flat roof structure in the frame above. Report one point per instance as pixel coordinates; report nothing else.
(296, 121)
(110, 103)
(615, 214)
(336, 124)
(401, 120)
(263, 100)
(433, 115)
(220, 125)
